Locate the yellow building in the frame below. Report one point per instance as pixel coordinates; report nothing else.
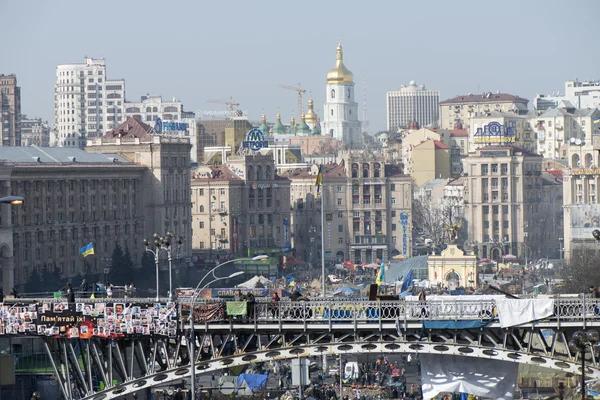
(453, 268)
(430, 160)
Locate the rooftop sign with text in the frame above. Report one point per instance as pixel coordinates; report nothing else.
(161, 126)
(495, 133)
(255, 140)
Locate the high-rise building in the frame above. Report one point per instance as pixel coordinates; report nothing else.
(34, 131)
(412, 103)
(86, 103)
(456, 113)
(340, 116)
(10, 117)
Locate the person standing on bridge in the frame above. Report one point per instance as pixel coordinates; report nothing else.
(1, 295)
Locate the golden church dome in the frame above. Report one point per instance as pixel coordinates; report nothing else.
(340, 74)
(311, 116)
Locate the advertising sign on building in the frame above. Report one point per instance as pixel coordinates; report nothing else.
(584, 219)
(495, 133)
(234, 234)
(161, 126)
(286, 231)
(255, 140)
(404, 224)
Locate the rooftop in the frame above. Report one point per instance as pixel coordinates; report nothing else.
(131, 128)
(459, 133)
(55, 155)
(484, 98)
(439, 145)
(214, 173)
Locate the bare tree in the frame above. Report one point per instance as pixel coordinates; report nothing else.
(436, 217)
(581, 272)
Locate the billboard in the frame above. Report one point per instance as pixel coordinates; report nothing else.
(495, 133)
(584, 219)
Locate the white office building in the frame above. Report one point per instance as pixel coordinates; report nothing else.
(149, 108)
(86, 103)
(582, 94)
(412, 103)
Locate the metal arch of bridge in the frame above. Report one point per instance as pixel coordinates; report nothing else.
(527, 346)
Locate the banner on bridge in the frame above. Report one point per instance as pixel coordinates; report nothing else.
(87, 320)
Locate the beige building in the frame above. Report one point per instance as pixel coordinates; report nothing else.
(555, 127)
(413, 138)
(368, 209)
(430, 160)
(241, 207)
(71, 198)
(316, 145)
(503, 202)
(167, 181)
(456, 113)
(10, 107)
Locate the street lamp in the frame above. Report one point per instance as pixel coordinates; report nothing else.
(15, 200)
(195, 295)
(163, 243)
(581, 341)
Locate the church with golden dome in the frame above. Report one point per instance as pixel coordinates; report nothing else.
(340, 116)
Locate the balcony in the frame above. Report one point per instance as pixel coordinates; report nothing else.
(369, 239)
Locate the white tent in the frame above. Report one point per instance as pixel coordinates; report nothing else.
(251, 284)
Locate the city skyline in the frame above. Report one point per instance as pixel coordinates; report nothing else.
(452, 51)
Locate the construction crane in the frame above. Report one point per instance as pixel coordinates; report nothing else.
(230, 103)
(300, 91)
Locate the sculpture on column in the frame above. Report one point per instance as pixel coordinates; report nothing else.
(452, 230)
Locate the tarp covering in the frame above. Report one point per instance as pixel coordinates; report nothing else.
(205, 312)
(487, 378)
(454, 324)
(514, 312)
(254, 381)
(346, 291)
(253, 282)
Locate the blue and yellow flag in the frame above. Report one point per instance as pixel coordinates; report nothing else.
(87, 250)
(381, 275)
(319, 180)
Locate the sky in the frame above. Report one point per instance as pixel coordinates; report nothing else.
(201, 50)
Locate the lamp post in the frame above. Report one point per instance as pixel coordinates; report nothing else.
(14, 200)
(580, 342)
(195, 295)
(163, 243)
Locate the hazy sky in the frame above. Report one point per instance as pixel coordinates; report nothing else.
(201, 50)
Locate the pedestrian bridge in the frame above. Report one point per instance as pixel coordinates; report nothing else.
(114, 348)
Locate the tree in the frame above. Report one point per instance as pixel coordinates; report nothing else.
(581, 272)
(433, 217)
(147, 275)
(121, 271)
(50, 277)
(34, 282)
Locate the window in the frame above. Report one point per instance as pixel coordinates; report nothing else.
(505, 224)
(340, 214)
(201, 224)
(222, 191)
(393, 227)
(486, 224)
(486, 209)
(495, 209)
(340, 241)
(340, 228)
(339, 188)
(393, 200)
(393, 187)
(201, 192)
(339, 201)
(484, 182)
(393, 214)
(332, 96)
(332, 111)
(494, 167)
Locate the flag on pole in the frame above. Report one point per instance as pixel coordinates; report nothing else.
(408, 281)
(87, 250)
(291, 281)
(319, 180)
(381, 275)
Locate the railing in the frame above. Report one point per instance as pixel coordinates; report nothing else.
(326, 311)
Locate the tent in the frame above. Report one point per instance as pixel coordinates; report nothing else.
(253, 282)
(252, 381)
(346, 291)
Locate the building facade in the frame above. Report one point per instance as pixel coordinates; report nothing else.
(150, 108)
(86, 103)
(340, 114)
(456, 113)
(582, 94)
(167, 205)
(34, 131)
(71, 198)
(412, 103)
(497, 128)
(10, 117)
(503, 202)
(240, 208)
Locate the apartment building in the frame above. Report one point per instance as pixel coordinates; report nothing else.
(10, 107)
(34, 131)
(456, 113)
(86, 103)
(241, 207)
(412, 103)
(582, 94)
(505, 207)
(71, 198)
(498, 128)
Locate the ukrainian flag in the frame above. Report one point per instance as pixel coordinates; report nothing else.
(381, 275)
(319, 180)
(87, 250)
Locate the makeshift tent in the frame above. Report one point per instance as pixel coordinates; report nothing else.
(253, 381)
(346, 291)
(253, 282)
(315, 284)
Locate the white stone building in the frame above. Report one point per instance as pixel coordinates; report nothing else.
(149, 108)
(584, 94)
(412, 103)
(340, 116)
(86, 103)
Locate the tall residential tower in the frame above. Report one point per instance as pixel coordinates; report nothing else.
(412, 103)
(10, 103)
